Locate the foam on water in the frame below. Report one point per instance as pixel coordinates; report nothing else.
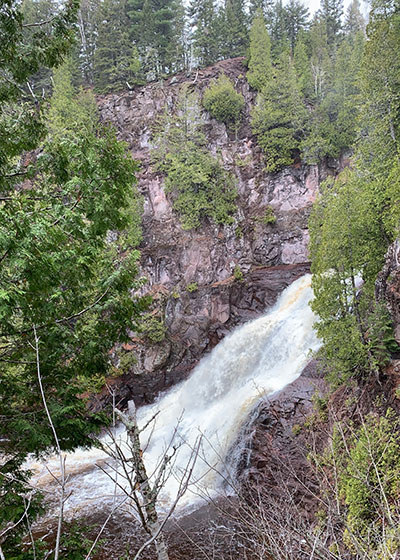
(255, 360)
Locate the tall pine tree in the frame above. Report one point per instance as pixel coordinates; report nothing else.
(205, 31)
(296, 17)
(278, 119)
(114, 51)
(260, 66)
(234, 32)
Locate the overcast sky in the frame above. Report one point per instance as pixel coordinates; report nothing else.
(313, 5)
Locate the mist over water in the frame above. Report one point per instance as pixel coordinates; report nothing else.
(255, 360)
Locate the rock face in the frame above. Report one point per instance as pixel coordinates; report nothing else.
(276, 464)
(269, 256)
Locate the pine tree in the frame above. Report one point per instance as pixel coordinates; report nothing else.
(260, 66)
(205, 22)
(354, 21)
(234, 33)
(278, 119)
(296, 17)
(331, 12)
(114, 50)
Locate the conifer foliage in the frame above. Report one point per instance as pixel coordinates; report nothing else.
(64, 287)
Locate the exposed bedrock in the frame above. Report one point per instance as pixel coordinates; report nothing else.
(192, 273)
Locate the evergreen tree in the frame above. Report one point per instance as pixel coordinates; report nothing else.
(205, 22)
(346, 241)
(178, 51)
(200, 186)
(65, 288)
(380, 114)
(346, 91)
(260, 66)
(267, 8)
(279, 37)
(321, 63)
(302, 66)
(333, 122)
(34, 12)
(164, 13)
(234, 33)
(113, 55)
(354, 21)
(296, 17)
(278, 118)
(88, 21)
(331, 12)
(155, 29)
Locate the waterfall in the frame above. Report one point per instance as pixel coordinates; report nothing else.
(255, 360)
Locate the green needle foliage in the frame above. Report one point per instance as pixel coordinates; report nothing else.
(60, 273)
(278, 118)
(260, 65)
(223, 102)
(356, 218)
(347, 245)
(199, 185)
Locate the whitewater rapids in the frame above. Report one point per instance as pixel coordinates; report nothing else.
(255, 360)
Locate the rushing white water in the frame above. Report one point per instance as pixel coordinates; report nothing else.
(255, 360)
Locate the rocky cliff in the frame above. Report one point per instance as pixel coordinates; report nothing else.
(270, 256)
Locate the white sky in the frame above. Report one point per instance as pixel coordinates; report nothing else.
(313, 5)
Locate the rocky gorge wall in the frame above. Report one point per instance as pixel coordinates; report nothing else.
(270, 256)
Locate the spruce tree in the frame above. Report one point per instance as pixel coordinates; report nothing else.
(205, 25)
(267, 8)
(164, 13)
(354, 21)
(278, 119)
(331, 12)
(178, 50)
(260, 66)
(296, 17)
(234, 33)
(114, 50)
(279, 37)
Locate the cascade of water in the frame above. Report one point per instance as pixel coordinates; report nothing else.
(255, 360)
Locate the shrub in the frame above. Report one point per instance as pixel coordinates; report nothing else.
(199, 185)
(202, 187)
(238, 274)
(269, 216)
(223, 102)
(153, 328)
(193, 287)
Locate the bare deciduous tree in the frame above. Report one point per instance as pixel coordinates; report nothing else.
(142, 490)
